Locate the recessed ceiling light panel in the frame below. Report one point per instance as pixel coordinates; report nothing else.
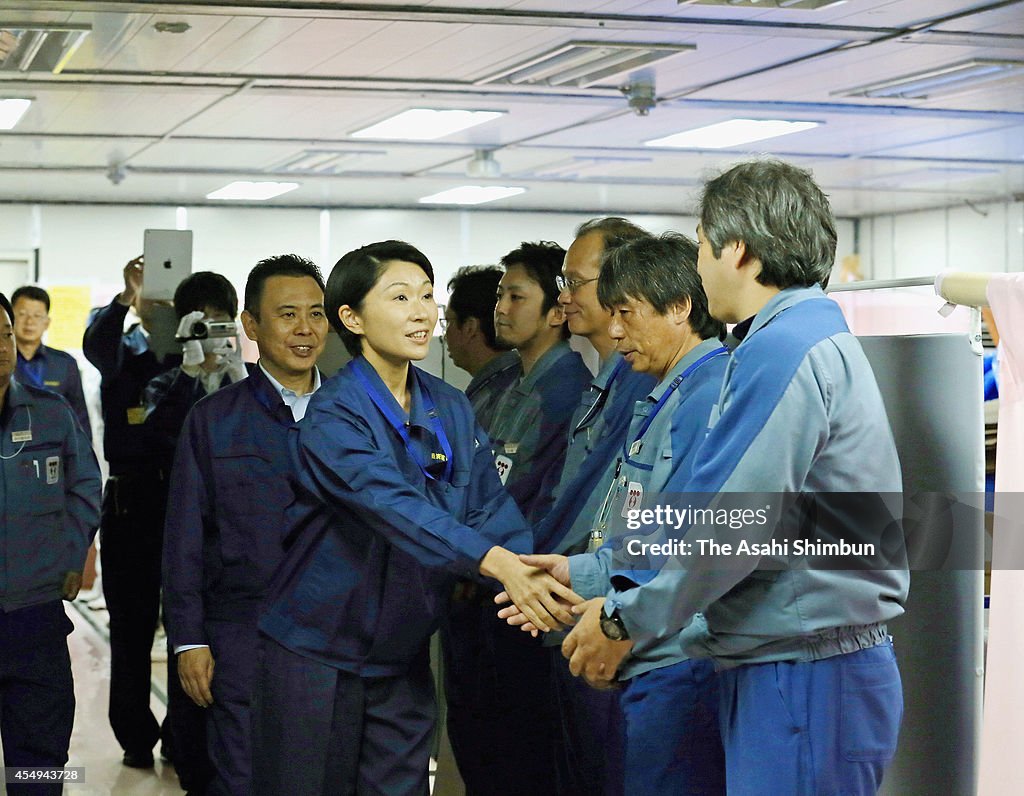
(252, 191)
(471, 195)
(11, 111)
(731, 133)
(425, 124)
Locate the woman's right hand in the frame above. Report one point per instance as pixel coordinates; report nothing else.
(542, 599)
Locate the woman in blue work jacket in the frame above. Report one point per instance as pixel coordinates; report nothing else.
(396, 494)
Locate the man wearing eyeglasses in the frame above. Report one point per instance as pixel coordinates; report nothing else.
(40, 365)
(591, 756)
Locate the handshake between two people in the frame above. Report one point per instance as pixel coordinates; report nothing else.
(591, 654)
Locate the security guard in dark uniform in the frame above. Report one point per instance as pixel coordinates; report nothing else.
(49, 491)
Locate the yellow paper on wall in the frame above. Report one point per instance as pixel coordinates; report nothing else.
(69, 310)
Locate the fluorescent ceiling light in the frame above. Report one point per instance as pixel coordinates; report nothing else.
(731, 133)
(255, 191)
(11, 111)
(425, 124)
(943, 80)
(471, 195)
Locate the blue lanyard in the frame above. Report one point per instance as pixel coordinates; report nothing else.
(400, 426)
(599, 401)
(628, 445)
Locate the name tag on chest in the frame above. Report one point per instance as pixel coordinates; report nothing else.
(21, 436)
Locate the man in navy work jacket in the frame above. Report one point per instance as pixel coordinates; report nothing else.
(38, 364)
(49, 493)
(472, 345)
(229, 491)
(499, 679)
(799, 413)
(132, 516)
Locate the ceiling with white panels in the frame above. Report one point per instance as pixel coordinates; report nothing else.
(142, 115)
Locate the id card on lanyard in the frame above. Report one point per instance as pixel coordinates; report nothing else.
(401, 427)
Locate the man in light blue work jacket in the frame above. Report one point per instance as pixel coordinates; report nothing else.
(50, 494)
(799, 414)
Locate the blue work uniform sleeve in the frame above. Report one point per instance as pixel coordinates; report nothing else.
(102, 341)
(83, 486)
(189, 510)
(763, 443)
(341, 462)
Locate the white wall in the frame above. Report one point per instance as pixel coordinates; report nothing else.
(89, 244)
(980, 238)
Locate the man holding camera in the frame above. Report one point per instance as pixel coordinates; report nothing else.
(206, 305)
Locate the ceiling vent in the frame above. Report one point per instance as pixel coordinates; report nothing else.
(586, 166)
(795, 5)
(940, 81)
(323, 162)
(927, 175)
(581, 64)
(39, 48)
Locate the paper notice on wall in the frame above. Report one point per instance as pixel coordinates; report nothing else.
(69, 311)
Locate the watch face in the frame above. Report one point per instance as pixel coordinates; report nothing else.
(612, 629)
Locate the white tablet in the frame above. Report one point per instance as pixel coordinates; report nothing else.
(166, 259)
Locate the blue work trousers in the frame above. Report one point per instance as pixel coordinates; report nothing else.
(320, 731)
(37, 695)
(809, 728)
(673, 744)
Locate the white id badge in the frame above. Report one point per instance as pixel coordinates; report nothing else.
(504, 465)
(52, 469)
(634, 496)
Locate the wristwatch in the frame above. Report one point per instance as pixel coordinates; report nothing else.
(612, 626)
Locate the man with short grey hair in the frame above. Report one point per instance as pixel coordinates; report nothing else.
(800, 415)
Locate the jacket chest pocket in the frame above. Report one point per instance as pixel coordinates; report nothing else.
(250, 484)
(38, 486)
(251, 499)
